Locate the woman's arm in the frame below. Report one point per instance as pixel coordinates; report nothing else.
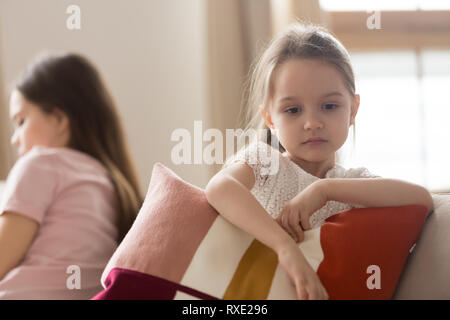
(16, 235)
(376, 192)
(229, 193)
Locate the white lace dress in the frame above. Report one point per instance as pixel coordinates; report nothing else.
(278, 180)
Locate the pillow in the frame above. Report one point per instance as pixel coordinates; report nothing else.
(427, 272)
(180, 248)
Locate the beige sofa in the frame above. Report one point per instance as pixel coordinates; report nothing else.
(427, 271)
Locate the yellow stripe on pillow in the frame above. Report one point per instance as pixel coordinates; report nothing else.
(214, 263)
(253, 277)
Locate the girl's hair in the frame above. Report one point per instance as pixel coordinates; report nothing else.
(70, 83)
(298, 41)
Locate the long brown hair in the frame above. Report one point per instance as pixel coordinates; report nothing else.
(70, 83)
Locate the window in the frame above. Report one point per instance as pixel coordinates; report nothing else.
(358, 5)
(403, 75)
(403, 125)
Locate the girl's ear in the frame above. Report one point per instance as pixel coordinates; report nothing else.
(355, 107)
(267, 118)
(62, 120)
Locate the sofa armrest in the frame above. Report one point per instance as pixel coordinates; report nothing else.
(426, 274)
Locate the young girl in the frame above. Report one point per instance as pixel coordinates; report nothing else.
(303, 91)
(73, 193)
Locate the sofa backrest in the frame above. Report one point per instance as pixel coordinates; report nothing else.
(426, 274)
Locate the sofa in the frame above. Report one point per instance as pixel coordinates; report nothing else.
(426, 274)
(427, 271)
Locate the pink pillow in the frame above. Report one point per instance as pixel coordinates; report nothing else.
(180, 248)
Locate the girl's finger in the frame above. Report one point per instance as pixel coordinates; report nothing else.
(295, 225)
(280, 215)
(304, 220)
(312, 294)
(291, 234)
(285, 223)
(279, 220)
(284, 215)
(302, 294)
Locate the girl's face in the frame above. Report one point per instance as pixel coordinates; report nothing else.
(310, 101)
(35, 127)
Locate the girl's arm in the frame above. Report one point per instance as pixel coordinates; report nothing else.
(229, 193)
(376, 192)
(373, 192)
(16, 235)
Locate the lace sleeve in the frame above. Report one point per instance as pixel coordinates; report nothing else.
(248, 156)
(359, 172)
(261, 158)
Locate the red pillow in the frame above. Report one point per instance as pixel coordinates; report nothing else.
(179, 247)
(360, 244)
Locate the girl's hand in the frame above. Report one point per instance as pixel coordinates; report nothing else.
(294, 218)
(307, 283)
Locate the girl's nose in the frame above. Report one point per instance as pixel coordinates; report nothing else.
(312, 122)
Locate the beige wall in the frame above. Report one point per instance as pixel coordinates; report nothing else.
(238, 30)
(5, 150)
(166, 62)
(152, 54)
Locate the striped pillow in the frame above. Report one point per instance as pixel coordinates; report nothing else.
(180, 248)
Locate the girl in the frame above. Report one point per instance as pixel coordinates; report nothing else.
(303, 91)
(73, 193)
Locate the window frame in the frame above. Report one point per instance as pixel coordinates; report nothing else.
(399, 29)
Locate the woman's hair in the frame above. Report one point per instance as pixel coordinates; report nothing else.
(70, 83)
(298, 41)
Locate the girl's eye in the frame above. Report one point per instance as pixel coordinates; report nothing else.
(292, 110)
(20, 122)
(330, 106)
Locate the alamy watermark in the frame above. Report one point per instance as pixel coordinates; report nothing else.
(374, 20)
(374, 281)
(74, 280)
(213, 153)
(73, 22)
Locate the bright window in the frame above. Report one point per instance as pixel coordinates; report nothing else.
(403, 124)
(364, 5)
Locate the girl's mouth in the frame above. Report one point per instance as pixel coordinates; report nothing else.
(314, 141)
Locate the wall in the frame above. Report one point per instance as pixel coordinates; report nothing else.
(5, 151)
(152, 54)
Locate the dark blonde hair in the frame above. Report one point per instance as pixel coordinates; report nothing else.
(70, 83)
(298, 41)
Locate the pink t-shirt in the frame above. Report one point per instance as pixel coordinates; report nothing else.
(71, 197)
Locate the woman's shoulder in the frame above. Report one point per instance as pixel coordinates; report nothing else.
(65, 167)
(36, 159)
(61, 159)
